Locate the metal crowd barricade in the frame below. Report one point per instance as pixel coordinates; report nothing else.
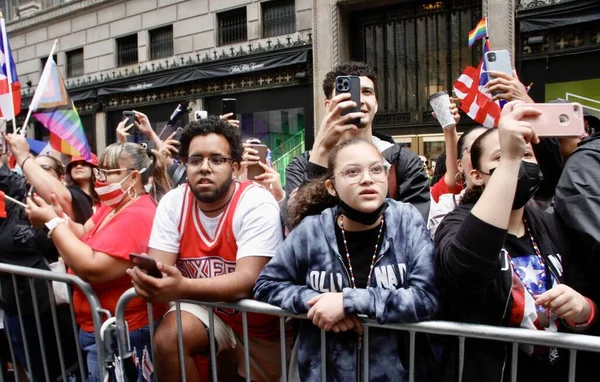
(70, 281)
(516, 336)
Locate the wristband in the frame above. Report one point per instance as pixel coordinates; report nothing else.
(51, 225)
(589, 320)
(23, 163)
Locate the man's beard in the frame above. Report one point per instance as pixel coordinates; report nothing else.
(213, 196)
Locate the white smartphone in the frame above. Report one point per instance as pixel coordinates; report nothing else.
(200, 114)
(498, 61)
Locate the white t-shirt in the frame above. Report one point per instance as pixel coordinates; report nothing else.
(438, 211)
(256, 224)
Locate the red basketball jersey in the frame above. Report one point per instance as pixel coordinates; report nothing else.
(203, 257)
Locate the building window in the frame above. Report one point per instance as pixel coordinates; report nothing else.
(279, 17)
(161, 42)
(75, 63)
(233, 26)
(127, 50)
(45, 59)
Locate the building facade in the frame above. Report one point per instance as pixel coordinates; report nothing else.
(272, 55)
(559, 50)
(150, 55)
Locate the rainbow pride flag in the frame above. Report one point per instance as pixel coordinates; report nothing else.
(53, 108)
(479, 32)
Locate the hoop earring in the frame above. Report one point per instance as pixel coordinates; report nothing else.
(135, 193)
(461, 179)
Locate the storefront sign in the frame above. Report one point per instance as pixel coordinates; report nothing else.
(243, 68)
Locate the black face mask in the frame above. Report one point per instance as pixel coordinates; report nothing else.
(366, 218)
(528, 183)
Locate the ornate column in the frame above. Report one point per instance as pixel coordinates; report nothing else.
(325, 49)
(501, 21)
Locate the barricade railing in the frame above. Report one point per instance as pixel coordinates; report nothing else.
(462, 331)
(48, 277)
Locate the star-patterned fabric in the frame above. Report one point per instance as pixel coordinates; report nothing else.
(529, 278)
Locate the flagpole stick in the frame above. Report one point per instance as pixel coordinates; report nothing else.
(8, 69)
(15, 201)
(40, 89)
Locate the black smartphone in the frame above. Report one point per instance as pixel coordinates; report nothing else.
(130, 115)
(349, 84)
(146, 263)
(228, 106)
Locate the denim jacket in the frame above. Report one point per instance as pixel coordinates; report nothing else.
(402, 290)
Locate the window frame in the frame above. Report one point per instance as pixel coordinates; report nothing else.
(119, 61)
(264, 6)
(69, 64)
(170, 49)
(220, 28)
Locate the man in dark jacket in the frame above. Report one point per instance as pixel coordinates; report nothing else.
(577, 204)
(21, 246)
(408, 181)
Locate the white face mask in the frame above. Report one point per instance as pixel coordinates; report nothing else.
(148, 187)
(111, 194)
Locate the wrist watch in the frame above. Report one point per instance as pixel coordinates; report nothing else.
(52, 224)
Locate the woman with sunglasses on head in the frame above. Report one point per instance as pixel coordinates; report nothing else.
(98, 251)
(500, 262)
(79, 176)
(366, 255)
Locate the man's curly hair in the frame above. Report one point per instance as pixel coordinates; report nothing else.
(351, 68)
(213, 125)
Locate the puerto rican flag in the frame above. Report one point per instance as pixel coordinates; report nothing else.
(474, 98)
(8, 79)
(147, 367)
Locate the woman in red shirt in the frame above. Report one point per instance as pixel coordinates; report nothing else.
(98, 251)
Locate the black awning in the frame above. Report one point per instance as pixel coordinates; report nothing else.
(83, 95)
(238, 65)
(577, 13)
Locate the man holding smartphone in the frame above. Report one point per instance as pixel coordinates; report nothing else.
(220, 234)
(408, 181)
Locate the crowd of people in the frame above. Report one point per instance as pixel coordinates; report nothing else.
(504, 235)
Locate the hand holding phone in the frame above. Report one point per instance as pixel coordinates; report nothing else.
(556, 119)
(146, 263)
(350, 84)
(228, 105)
(498, 61)
(254, 170)
(130, 115)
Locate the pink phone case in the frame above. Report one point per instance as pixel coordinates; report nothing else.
(557, 119)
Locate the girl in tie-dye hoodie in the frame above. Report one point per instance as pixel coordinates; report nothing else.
(367, 256)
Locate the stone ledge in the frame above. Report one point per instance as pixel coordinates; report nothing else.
(52, 13)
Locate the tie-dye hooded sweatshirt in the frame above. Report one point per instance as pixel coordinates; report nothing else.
(402, 290)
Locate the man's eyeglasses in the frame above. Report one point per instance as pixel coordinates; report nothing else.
(101, 174)
(214, 162)
(354, 175)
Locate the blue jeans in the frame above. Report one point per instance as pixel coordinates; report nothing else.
(139, 339)
(36, 372)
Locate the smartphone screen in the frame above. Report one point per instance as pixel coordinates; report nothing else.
(228, 105)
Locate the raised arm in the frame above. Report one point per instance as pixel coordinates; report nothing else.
(44, 183)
